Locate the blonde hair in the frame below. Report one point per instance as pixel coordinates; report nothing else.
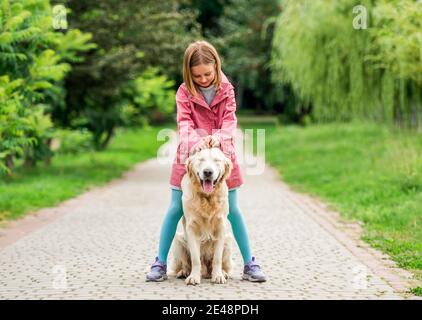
(197, 53)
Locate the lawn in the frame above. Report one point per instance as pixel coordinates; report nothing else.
(368, 173)
(69, 175)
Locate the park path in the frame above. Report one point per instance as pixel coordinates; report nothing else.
(99, 246)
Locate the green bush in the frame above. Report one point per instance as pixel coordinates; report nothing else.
(71, 141)
(34, 60)
(42, 132)
(150, 98)
(14, 124)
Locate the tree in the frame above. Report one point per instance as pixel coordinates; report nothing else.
(131, 36)
(245, 44)
(347, 73)
(33, 61)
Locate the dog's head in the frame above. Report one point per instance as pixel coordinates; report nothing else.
(208, 168)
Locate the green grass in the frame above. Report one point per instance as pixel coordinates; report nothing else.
(70, 175)
(366, 172)
(417, 291)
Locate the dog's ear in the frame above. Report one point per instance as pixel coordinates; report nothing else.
(189, 164)
(228, 166)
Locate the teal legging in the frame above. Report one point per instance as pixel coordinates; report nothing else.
(175, 212)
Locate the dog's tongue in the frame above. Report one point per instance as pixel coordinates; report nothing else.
(207, 185)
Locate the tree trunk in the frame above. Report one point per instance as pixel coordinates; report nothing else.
(9, 164)
(110, 134)
(29, 161)
(47, 160)
(102, 144)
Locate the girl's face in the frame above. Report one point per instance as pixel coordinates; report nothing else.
(203, 74)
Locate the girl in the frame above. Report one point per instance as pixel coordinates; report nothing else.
(206, 118)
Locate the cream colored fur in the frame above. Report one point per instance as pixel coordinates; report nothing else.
(204, 249)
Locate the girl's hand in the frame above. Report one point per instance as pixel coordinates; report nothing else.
(212, 141)
(206, 142)
(203, 144)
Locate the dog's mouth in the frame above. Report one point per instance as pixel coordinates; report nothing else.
(208, 185)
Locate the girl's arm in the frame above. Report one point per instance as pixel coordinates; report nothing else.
(226, 135)
(189, 137)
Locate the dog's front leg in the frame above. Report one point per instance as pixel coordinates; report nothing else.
(217, 275)
(194, 244)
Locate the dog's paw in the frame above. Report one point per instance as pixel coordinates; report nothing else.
(226, 275)
(193, 279)
(182, 274)
(219, 277)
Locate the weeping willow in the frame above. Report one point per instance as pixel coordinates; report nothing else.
(346, 72)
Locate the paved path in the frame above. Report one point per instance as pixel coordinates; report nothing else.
(99, 246)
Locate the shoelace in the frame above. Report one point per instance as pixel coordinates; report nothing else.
(157, 266)
(254, 267)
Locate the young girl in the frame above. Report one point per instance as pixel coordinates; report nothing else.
(206, 118)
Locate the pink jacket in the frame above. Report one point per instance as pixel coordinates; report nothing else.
(196, 119)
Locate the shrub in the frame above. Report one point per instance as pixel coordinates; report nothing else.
(71, 141)
(33, 63)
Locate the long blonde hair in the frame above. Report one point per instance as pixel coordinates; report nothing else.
(197, 53)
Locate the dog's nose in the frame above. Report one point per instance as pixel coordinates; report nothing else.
(208, 172)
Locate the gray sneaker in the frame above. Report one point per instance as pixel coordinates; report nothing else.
(158, 271)
(252, 272)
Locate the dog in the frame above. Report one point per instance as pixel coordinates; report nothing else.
(204, 249)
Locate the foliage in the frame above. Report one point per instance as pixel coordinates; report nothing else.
(71, 141)
(245, 45)
(148, 99)
(208, 14)
(417, 291)
(42, 132)
(14, 124)
(131, 36)
(33, 62)
(345, 72)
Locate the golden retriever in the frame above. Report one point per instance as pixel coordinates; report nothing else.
(205, 247)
